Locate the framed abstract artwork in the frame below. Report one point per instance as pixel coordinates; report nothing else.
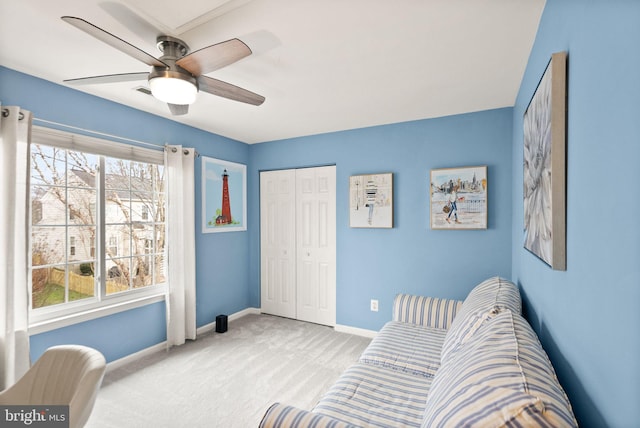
(458, 198)
(371, 200)
(224, 196)
(544, 166)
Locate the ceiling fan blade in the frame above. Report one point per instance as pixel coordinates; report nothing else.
(214, 57)
(114, 41)
(227, 90)
(178, 109)
(131, 20)
(108, 78)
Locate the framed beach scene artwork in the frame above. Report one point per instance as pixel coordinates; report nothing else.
(224, 196)
(371, 200)
(544, 166)
(458, 198)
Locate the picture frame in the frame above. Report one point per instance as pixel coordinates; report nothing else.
(224, 196)
(371, 201)
(544, 166)
(458, 198)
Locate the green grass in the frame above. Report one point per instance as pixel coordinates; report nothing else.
(53, 294)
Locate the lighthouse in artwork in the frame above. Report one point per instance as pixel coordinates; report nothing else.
(225, 216)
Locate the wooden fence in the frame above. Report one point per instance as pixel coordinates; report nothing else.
(83, 284)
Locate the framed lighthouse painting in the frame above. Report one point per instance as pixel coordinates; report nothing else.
(224, 196)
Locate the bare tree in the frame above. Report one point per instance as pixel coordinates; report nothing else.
(67, 179)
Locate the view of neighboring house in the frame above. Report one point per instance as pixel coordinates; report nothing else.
(65, 214)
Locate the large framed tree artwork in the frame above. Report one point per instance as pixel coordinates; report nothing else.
(545, 166)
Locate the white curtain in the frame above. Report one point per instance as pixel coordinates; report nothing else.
(181, 293)
(15, 133)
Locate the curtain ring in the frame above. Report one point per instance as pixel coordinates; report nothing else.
(173, 150)
(5, 113)
(185, 152)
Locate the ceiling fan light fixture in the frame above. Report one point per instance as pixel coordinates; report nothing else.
(173, 87)
(178, 75)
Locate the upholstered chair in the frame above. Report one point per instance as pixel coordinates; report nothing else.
(64, 375)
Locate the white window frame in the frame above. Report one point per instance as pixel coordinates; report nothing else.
(57, 316)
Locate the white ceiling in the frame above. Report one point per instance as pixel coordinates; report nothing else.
(323, 65)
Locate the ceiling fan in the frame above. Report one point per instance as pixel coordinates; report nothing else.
(177, 76)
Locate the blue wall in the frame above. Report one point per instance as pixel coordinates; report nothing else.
(587, 317)
(115, 335)
(440, 263)
(378, 263)
(221, 283)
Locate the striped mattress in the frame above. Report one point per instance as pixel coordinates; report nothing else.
(371, 396)
(444, 363)
(410, 348)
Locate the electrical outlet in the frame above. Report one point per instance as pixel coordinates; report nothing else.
(374, 305)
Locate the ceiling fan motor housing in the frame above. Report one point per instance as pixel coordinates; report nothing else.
(172, 50)
(172, 47)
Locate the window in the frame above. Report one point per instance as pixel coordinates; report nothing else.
(72, 245)
(148, 246)
(112, 249)
(84, 191)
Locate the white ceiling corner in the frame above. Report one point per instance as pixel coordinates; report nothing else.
(323, 66)
(176, 19)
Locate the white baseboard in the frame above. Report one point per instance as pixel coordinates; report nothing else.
(163, 345)
(116, 364)
(338, 327)
(356, 331)
(211, 326)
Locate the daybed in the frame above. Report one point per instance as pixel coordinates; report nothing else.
(444, 363)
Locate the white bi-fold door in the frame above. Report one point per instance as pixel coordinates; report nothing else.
(278, 242)
(298, 243)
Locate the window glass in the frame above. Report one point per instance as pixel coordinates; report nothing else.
(68, 224)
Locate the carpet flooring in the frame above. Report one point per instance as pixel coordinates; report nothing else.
(227, 380)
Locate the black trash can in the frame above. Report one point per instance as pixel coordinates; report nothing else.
(221, 323)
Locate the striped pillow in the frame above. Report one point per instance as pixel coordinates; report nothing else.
(483, 303)
(540, 375)
(487, 406)
(428, 311)
(504, 353)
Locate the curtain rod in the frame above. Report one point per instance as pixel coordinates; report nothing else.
(184, 151)
(5, 113)
(153, 146)
(102, 134)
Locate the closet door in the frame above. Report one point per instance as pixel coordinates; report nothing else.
(278, 243)
(316, 244)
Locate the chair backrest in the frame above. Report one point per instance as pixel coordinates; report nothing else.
(63, 375)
